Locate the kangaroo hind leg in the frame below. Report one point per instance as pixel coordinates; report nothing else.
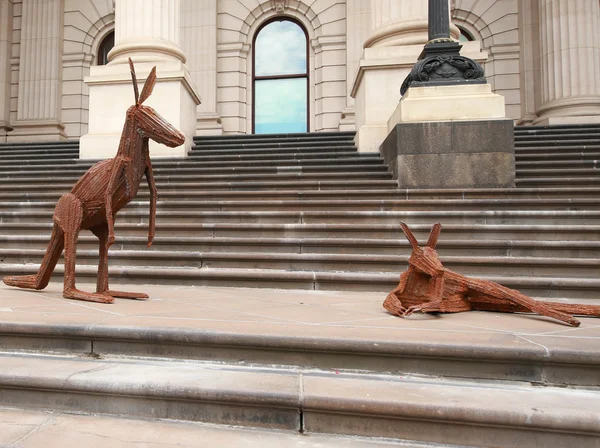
(40, 280)
(101, 231)
(69, 216)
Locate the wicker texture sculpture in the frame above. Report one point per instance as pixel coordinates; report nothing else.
(428, 287)
(99, 194)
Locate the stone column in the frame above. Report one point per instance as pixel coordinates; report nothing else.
(148, 33)
(199, 43)
(570, 61)
(40, 73)
(6, 16)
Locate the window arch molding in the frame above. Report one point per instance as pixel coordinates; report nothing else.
(99, 39)
(255, 77)
(312, 29)
(101, 56)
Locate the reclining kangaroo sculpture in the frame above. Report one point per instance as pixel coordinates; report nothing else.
(428, 287)
(99, 194)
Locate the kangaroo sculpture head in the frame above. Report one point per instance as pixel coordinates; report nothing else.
(148, 123)
(425, 259)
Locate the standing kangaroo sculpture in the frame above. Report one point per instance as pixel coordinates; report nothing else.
(99, 194)
(428, 287)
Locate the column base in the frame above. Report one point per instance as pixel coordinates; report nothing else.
(580, 119)
(36, 131)
(111, 94)
(348, 121)
(452, 154)
(5, 128)
(209, 124)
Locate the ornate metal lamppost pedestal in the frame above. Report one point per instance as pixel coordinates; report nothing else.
(449, 129)
(441, 64)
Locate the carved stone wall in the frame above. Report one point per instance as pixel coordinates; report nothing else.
(237, 23)
(46, 95)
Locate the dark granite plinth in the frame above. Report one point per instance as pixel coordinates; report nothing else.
(452, 154)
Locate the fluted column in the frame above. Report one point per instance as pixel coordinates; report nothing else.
(570, 61)
(40, 72)
(6, 16)
(146, 31)
(400, 22)
(199, 43)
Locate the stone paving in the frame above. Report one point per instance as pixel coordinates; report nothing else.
(34, 429)
(345, 315)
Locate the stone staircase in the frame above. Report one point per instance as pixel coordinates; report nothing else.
(308, 211)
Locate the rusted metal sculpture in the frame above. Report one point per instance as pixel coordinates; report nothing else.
(99, 194)
(428, 287)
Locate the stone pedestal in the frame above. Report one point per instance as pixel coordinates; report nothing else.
(437, 103)
(452, 154)
(148, 33)
(451, 137)
(111, 94)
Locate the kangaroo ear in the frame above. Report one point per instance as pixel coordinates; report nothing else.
(134, 79)
(434, 235)
(149, 86)
(409, 236)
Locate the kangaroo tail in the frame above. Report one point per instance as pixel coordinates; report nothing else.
(576, 309)
(41, 279)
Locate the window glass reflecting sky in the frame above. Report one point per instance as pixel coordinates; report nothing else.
(280, 105)
(280, 49)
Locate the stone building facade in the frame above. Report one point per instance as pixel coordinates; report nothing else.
(543, 56)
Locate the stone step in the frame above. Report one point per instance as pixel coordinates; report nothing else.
(196, 153)
(340, 169)
(235, 177)
(557, 128)
(41, 155)
(574, 151)
(167, 184)
(277, 137)
(523, 166)
(514, 217)
(38, 192)
(554, 288)
(222, 156)
(467, 265)
(558, 156)
(553, 181)
(428, 409)
(372, 205)
(564, 172)
(381, 246)
(34, 146)
(263, 144)
(32, 428)
(199, 166)
(592, 140)
(333, 230)
(558, 136)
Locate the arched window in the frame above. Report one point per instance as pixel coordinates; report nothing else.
(465, 36)
(280, 78)
(105, 46)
